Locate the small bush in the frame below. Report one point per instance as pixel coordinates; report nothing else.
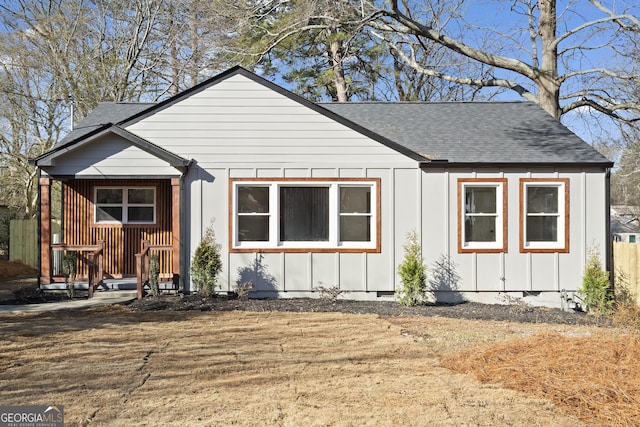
(206, 264)
(596, 289)
(413, 273)
(154, 275)
(330, 293)
(69, 272)
(242, 290)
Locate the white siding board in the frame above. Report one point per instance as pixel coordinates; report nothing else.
(380, 266)
(324, 173)
(324, 270)
(266, 127)
(109, 156)
(435, 212)
(297, 272)
(352, 271)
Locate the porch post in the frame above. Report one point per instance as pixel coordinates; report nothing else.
(175, 228)
(45, 231)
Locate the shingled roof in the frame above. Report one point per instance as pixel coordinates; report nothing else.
(473, 132)
(105, 113)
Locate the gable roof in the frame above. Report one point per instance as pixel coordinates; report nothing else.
(474, 132)
(98, 131)
(434, 134)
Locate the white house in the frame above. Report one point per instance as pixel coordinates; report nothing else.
(503, 197)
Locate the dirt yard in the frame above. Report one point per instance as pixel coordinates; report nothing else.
(190, 361)
(112, 366)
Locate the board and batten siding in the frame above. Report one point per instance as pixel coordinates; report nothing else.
(300, 273)
(513, 271)
(241, 129)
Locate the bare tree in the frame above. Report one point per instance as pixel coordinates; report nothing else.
(546, 57)
(55, 52)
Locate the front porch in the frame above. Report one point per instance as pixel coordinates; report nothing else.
(112, 253)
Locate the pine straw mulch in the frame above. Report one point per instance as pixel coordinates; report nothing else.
(15, 270)
(594, 378)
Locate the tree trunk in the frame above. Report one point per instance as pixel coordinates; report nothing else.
(336, 53)
(547, 80)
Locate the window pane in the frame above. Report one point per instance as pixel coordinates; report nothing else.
(253, 228)
(253, 199)
(140, 214)
(140, 196)
(480, 200)
(542, 199)
(480, 229)
(355, 229)
(109, 195)
(355, 199)
(108, 213)
(304, 214)
(542, 229)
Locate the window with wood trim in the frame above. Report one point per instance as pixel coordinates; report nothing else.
(125, 205)
(482, 215)
(544, 215)
(317, 215)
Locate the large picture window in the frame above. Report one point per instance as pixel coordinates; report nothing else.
(544, 215)
(305, 214)
(482, 218)
(125, 205)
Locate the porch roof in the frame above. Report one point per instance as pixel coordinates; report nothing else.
(47, 159)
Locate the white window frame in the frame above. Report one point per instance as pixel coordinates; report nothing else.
(125, 205)
(500, 242)
(562, 216)
(274, 243)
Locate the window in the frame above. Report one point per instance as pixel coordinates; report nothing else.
(305, 214)
(125, 205)
(544, 215)
(482, 219)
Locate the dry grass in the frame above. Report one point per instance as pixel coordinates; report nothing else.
(112, 367)
(597, 378)
(15, 269)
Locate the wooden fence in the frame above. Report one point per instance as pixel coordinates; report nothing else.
(23, 240)
(626, 257)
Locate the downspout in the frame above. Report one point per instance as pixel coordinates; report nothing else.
(608, 243)
(39, 228)
(183, 227)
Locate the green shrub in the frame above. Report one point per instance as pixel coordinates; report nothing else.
(154, 274)
(413, 273)
(69, 272)
(596, 288)
(206, 264)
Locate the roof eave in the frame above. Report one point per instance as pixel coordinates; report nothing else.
(172, 159)
(448, 164)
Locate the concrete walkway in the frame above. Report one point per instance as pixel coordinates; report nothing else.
(99, 298)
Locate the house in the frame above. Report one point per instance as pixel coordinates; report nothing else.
(504, 198)
(625, 224)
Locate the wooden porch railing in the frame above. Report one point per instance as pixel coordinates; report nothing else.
(95, 261)
(142, 265)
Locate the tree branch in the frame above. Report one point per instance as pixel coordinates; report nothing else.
(411, 26)
(508, 84)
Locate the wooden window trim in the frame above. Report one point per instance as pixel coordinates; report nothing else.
(523, 214)
(460, 218)
(378, 224)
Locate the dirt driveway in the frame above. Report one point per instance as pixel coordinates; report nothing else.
(111, 366)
